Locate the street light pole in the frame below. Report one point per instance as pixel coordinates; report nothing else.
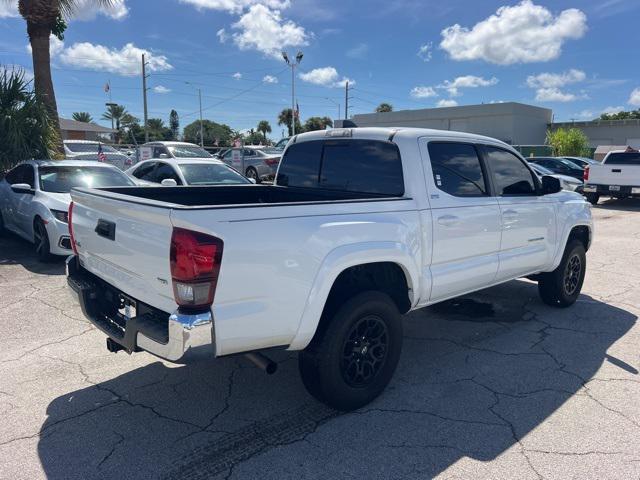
(200, 104)
(293, 66)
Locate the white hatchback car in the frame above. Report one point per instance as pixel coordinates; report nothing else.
(34, 199)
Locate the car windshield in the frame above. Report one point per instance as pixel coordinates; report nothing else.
(187, 151)
(540, 169)
(210, 174)
(88, 147)
(61, 179)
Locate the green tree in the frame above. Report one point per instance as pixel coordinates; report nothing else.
(264, 127)
(82, 117)
(158, 130)
(44, 17)
(114, 114)
(317, 123)
(568, 142)
(384, 107)
(284, 118)
(26, 129)
(633, 114)
(212, 132)
(174, 124)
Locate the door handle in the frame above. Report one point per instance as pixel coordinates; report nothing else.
(448, 220)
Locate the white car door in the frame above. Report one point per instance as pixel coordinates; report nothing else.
(23, 213)
(528, 218)
(465, 218)
(14, 203)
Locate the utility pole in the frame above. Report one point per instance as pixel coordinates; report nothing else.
(201, 127)
(346, 100)
(293, 89)
(144, 97)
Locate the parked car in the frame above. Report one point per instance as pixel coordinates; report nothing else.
(89, 150)
(34, 199)
(582, 161)
(258, 163)
(325, 261)
(185, 171)
(568, 183)
(618, 176)
(172, 150)
(559, 165)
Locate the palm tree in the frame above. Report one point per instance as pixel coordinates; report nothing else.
(82, 117)
(384, 107)
(264, 127)
(115, 113)
(284, 118)
(43, 18)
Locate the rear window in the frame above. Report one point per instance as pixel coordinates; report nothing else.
(62, 179)
(363, 166)
(624, 158)
(88, 147)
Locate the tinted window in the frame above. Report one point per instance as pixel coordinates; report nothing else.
(300, 165)
(165, 171)
(21, 174)
(145, 172)
(626, 158)
(62, 179)
(88, 147)
(510, 175)
(211, 174)
(456, 169)
(188, 151)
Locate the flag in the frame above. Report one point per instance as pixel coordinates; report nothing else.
(107, 87)
(101, 156)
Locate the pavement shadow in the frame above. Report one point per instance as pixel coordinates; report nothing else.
(14, 250)
(476, 375)
(622, 205)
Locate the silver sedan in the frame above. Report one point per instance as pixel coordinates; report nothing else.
(258, 164)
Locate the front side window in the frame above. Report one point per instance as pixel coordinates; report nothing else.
(61, 179)
(145, 172)
(510, 175)
(21, 174)
(457, 169)
(165, 171)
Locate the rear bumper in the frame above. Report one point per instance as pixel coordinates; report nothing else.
(168, 336)
(622, 190)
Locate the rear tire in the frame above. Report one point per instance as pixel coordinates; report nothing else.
(561, 287)
(252, 173)
(592, 198)
(352, 360)
(41, 241)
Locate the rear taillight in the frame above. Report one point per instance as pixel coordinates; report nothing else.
(70, 222)
(195, 265)
(272, 162)
(585, 174)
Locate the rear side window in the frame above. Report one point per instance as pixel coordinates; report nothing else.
(456, 169)
(365, 166)
(626, 158)
(510, 175)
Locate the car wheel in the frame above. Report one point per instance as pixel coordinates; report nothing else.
(41, 241)
(354, 357)
(252, 173)
(561, 287)
(592, 198)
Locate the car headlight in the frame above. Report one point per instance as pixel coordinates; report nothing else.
(61, 215)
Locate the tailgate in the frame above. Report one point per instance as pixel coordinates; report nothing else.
(127, 245)
(623, 175)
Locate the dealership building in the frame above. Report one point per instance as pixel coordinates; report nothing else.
(512, 122)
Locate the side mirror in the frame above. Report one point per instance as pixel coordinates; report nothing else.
(550, 185)
(169, 182)
(252, 180)
(163, 155)
(22, 188)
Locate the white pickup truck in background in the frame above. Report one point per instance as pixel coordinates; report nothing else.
(361, 226)
(618, 176)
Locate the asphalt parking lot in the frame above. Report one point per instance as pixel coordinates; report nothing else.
(492, 385)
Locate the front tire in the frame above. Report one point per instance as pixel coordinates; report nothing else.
(562, 287)
(592, 198)
(353, 359)
(41, 241)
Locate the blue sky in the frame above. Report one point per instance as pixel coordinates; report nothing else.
(577, 57)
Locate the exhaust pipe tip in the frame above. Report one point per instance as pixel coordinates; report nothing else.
(263, 362)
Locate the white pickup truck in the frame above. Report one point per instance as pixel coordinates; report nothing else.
(362, 225)
(618, 176)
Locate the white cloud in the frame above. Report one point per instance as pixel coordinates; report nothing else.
(447, 103)
(84, 10)
(425, 52)
(359, 51)
(28, 74)
(613, 110)
(423, 92)
(467, 81)
(264, 30)
(585, 115)
(237, 75)
(551, 80)
(236, 6)
(270, 79)
(634, 98)
(55, 45)
(554, 95)
(222, 35)
(326, 77)
(161, 89)
(522, 33)
(125, 61)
